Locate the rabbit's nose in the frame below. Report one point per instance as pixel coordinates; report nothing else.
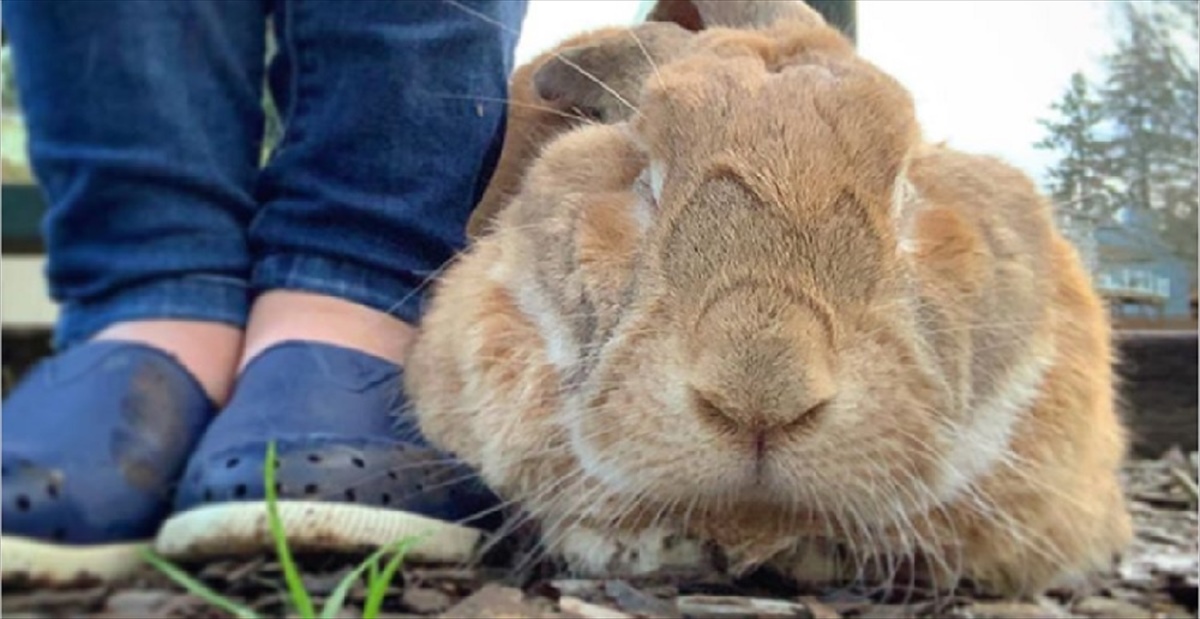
(758, 421)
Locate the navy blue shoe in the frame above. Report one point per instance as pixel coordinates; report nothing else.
(94, 440)
(347, 478)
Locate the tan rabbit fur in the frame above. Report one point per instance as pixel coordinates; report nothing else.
(764, 311)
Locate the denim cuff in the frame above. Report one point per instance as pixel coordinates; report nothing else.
(207, 298)
(401, 298)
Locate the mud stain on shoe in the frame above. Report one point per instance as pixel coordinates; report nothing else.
(153, 428)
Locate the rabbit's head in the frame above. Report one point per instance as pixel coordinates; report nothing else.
(765, 328)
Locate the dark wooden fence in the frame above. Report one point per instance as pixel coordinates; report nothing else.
(1159, 392)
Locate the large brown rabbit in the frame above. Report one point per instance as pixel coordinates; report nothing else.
(762, 311)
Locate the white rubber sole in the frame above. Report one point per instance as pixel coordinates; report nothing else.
(238, 529)
(49, 564)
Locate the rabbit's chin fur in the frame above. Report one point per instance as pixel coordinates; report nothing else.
(763, 320)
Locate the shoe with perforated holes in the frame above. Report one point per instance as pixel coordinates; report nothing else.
(94, 440)
(347, 477)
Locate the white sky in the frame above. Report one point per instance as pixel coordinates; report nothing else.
(981, 71)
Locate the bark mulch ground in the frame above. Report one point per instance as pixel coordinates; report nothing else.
(1158, 578)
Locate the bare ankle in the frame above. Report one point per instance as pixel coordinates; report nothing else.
(208, 350)
(282, 315)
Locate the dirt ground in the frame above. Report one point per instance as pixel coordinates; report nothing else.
(1157, 578)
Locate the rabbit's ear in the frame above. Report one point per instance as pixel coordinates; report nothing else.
(697, 15)
(682, 12)
(601, 79)
(577, 77)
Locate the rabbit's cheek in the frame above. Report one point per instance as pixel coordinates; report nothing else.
(984, 437)
(621, 437)
(632, 428)
(881, 427)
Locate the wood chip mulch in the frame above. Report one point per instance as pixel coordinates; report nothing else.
(1157, 578)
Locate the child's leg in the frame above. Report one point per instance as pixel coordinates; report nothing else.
(144, 123)
(394, 115)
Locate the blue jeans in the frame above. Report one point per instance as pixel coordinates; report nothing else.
(146, 128)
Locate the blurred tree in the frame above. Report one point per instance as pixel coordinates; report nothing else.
(1150, 95)
(1131, 142)
(1078, 181)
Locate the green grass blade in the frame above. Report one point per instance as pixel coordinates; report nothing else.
(195, 587)
(380, 581)
(338, 598)
(370, 565)
(300, 599)
(373, 571)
